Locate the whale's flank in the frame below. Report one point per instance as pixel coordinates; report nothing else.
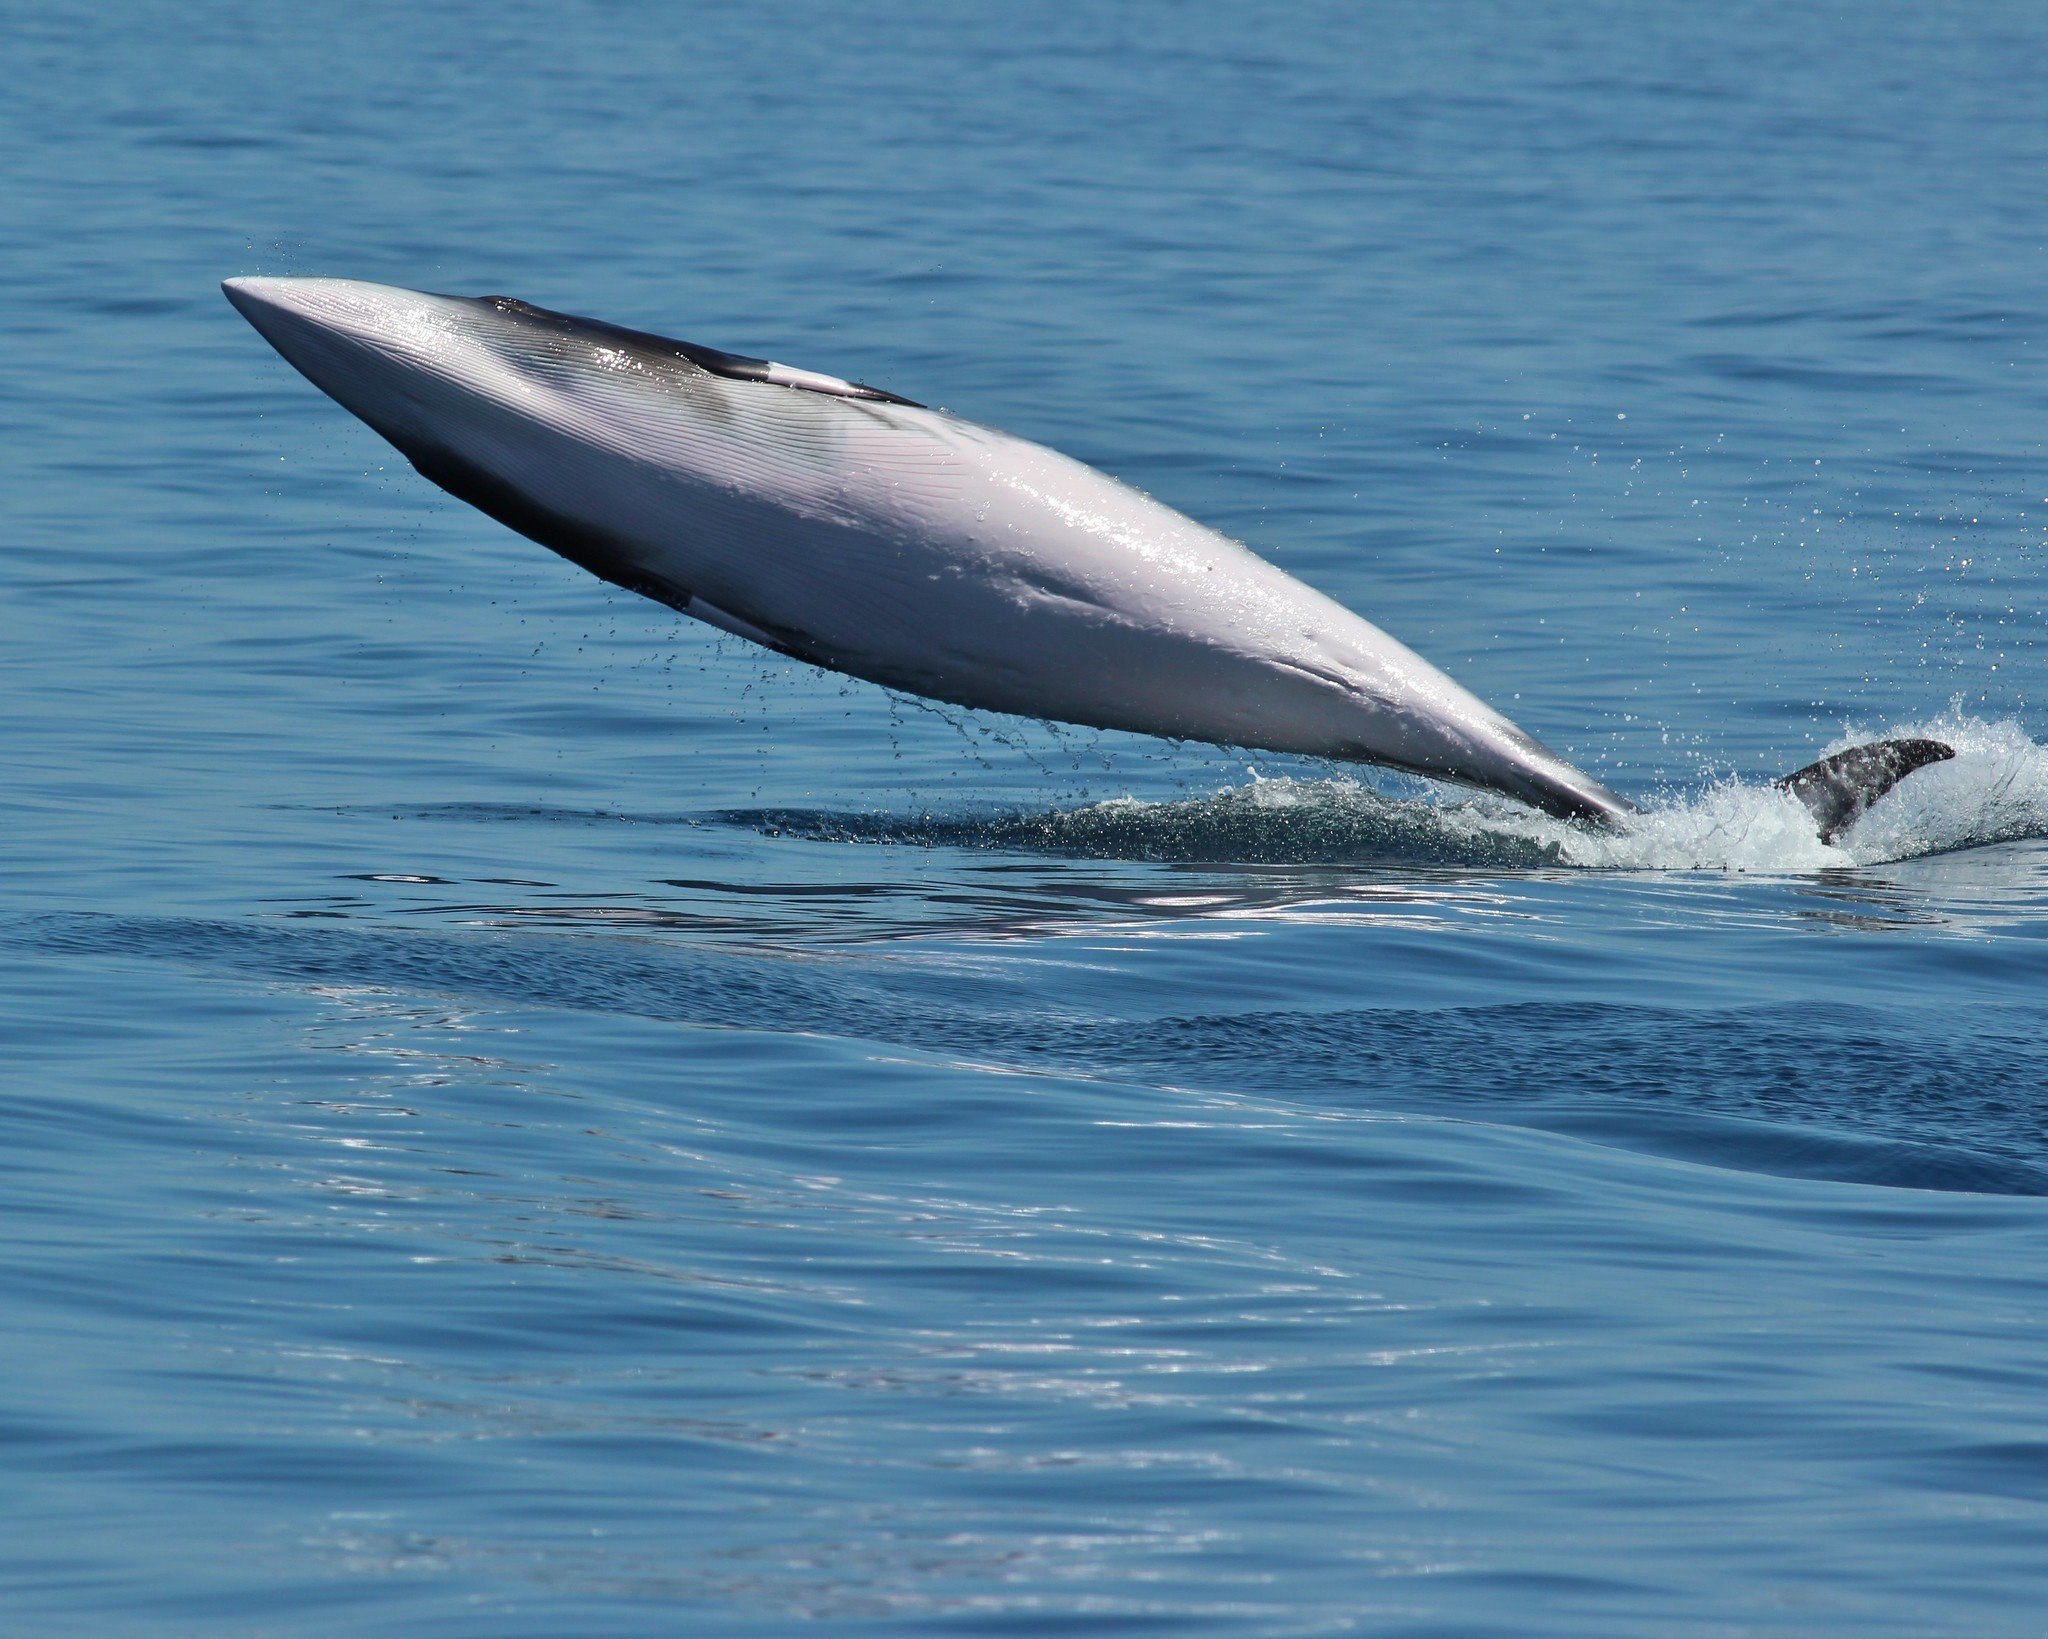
(860, 531)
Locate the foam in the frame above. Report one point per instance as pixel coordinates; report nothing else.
(1995, 790)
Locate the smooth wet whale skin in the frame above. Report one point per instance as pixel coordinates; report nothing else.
(879, 538)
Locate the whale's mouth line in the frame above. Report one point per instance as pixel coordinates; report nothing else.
(603, 554)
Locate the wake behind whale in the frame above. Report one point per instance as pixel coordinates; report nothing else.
(1995, 789)
(862, 532)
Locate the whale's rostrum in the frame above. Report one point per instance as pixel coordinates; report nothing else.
(868, 534)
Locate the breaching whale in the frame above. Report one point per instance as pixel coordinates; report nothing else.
(868, 534)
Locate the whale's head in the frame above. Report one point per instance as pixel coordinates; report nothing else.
(403, 360)
(510, 407)
(406, 362)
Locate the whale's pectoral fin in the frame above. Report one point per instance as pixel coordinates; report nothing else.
(1838, 790)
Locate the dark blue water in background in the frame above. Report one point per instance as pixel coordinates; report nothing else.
(523, 1116)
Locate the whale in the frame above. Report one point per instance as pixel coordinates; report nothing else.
(869, 534)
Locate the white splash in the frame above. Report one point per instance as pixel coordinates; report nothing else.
(1995, 790)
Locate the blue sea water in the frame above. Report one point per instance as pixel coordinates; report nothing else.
(524, 1116)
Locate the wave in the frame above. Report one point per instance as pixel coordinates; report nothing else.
(1890, 1095)
(1995, 790)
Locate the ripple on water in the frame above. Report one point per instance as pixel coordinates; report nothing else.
(1994, 790)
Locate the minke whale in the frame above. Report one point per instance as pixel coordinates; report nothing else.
(868, 534)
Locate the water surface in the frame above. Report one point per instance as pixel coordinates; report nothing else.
(528, 1117)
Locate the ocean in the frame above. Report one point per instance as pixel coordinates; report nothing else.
(526, 1116)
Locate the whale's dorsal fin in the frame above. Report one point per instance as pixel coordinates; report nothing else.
(733, 366)
(1839, 790)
